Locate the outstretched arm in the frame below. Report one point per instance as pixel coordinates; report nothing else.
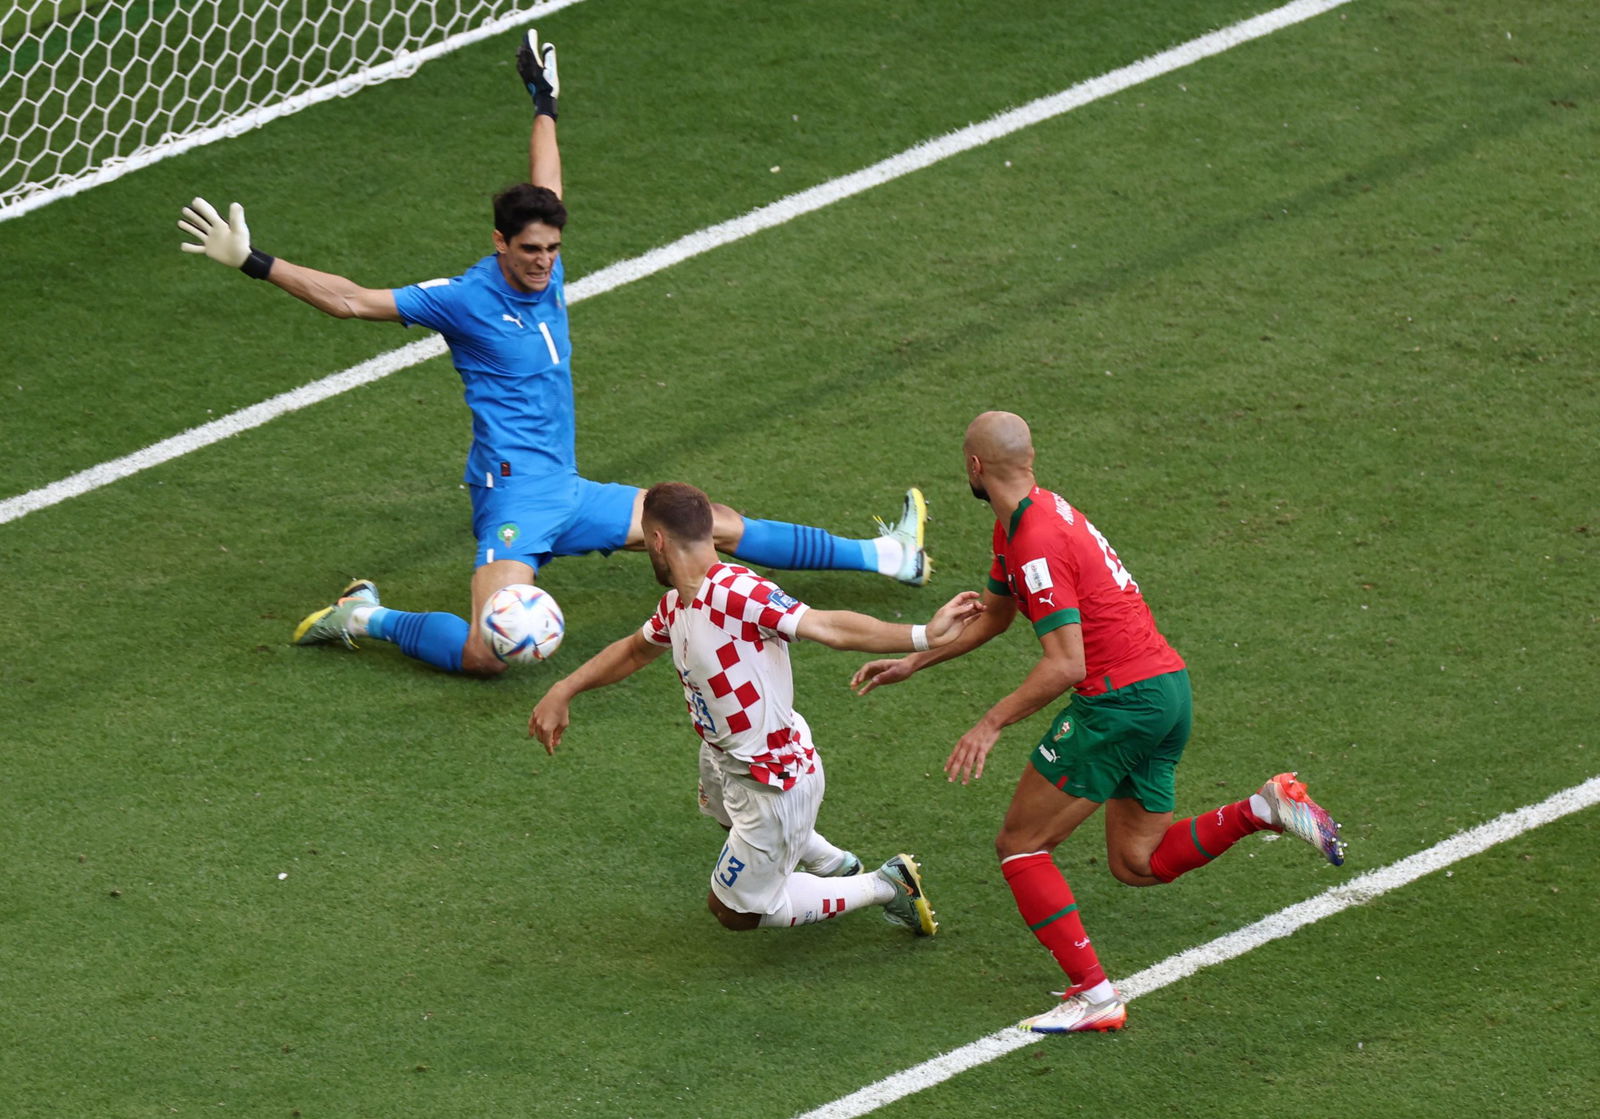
(996, 614)
(617, 661)
(339, 297)
(846, 629)
(228, 242)
(544, 158)
(536, 66)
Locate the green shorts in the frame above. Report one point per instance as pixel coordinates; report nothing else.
(1125, 743)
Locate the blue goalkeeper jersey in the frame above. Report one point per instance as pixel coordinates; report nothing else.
(514, 355)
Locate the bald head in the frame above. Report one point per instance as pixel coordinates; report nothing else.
(1000, 439)
(999, 454)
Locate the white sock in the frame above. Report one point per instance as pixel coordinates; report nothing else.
(358, 620)
(1100, 992)
(1260, 809)
(891, 554)
(808, 899)
(821, 857)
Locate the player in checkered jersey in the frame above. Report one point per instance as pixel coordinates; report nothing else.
(1118, 741)
(761, 777)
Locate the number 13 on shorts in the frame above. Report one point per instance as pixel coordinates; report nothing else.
(728, 868)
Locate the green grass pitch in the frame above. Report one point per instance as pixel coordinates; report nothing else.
(1308, 329)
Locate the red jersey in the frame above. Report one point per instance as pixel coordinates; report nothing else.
(1061, 571)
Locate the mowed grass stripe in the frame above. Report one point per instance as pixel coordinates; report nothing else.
(624, 272)
(1278, 925)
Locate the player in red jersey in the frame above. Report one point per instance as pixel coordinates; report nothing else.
(1116, 743)
(761, 777)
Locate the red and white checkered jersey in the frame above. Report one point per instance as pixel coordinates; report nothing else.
(731, 649)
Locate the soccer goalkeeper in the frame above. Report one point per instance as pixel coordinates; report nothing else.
(505, 321)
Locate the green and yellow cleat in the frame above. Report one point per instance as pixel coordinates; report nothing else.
(915, 564)
(332, 623)
(910, 907)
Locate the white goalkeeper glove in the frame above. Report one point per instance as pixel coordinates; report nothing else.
(226, 242)
(536, 66)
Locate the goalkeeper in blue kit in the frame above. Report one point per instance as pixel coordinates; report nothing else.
(505, 322)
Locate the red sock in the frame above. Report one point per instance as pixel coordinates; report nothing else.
(1196, 841)
(1045, 901)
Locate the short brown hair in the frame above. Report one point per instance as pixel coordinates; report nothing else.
(518, 207)
(683, 511)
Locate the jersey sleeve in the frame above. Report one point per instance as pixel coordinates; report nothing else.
(780, 613)
(997, 570)
(657, 630)
(432, 303)
(752, 608)
(1048, 580)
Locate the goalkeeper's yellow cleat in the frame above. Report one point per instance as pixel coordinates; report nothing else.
(332, 623)
(915, 565)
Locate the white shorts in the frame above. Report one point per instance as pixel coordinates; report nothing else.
(769, 830)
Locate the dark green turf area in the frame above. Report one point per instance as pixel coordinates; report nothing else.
(1307, 330)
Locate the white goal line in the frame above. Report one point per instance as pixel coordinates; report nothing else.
(1358, 890)
(623, 272)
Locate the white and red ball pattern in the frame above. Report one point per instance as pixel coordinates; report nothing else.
(522, 623)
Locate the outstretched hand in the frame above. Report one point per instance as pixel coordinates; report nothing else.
(951, 618)
(943, 628)
(226, 242)
(874, 673)
(536, 66)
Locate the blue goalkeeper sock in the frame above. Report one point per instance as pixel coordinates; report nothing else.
(436, 637)
(803, 548)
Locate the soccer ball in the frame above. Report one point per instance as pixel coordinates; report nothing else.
(522, 623)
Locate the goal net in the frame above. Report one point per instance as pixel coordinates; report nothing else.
(92, 90)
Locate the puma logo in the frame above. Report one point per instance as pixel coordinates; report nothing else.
(513, 318)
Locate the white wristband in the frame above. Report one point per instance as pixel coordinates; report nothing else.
(919, 638)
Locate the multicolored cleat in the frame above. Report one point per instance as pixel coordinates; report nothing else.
(332, 623)
(1295, 813)
(915, 564)
(910, 906)
(1075, 1013)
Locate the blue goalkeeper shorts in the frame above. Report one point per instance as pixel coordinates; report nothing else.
(534, 520)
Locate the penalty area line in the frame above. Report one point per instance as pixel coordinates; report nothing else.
(613, 276)
(1357, 891)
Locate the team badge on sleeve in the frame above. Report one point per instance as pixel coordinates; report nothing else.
(780, 601)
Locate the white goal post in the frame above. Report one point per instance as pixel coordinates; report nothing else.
(93, 89)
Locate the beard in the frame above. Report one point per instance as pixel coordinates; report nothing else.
(978, 491)
(663, 572)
